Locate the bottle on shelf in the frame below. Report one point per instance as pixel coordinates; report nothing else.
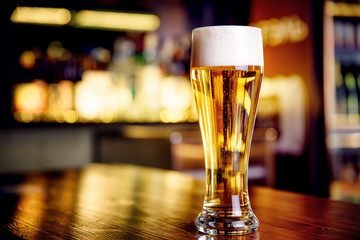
(340, 91)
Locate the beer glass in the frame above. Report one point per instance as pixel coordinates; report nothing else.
(226, 72)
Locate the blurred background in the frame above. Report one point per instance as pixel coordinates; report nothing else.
(108, 81)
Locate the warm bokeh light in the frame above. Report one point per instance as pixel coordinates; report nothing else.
(41, 15)
(104, 86)
(176, 93)
(99, 98)
(116, 20)
(30, 97)
(23, 116)
(71, 116)
(176, 99)
(148, 92)
(61, 96)
(27, 59)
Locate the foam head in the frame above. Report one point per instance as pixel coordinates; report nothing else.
(227, 46)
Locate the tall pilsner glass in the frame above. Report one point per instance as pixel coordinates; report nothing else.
(226, 72)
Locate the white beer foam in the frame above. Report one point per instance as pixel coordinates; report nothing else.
(227, 46)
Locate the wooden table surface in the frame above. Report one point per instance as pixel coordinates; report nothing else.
(131, 202)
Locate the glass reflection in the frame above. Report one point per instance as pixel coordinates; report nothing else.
(252, 236)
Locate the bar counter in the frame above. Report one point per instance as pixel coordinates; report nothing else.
(108, 201)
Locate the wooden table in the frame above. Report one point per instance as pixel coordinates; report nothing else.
(130, 202)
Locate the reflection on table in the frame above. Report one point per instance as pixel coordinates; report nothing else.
(108, 201)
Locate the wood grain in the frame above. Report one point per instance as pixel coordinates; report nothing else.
(106, 201)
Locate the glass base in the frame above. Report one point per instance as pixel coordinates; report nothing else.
(227, 225)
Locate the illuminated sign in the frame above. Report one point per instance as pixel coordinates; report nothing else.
(287, 29)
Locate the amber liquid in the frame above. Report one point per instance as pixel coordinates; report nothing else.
(226, 100)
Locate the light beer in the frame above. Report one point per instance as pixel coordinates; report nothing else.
(226, 98)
